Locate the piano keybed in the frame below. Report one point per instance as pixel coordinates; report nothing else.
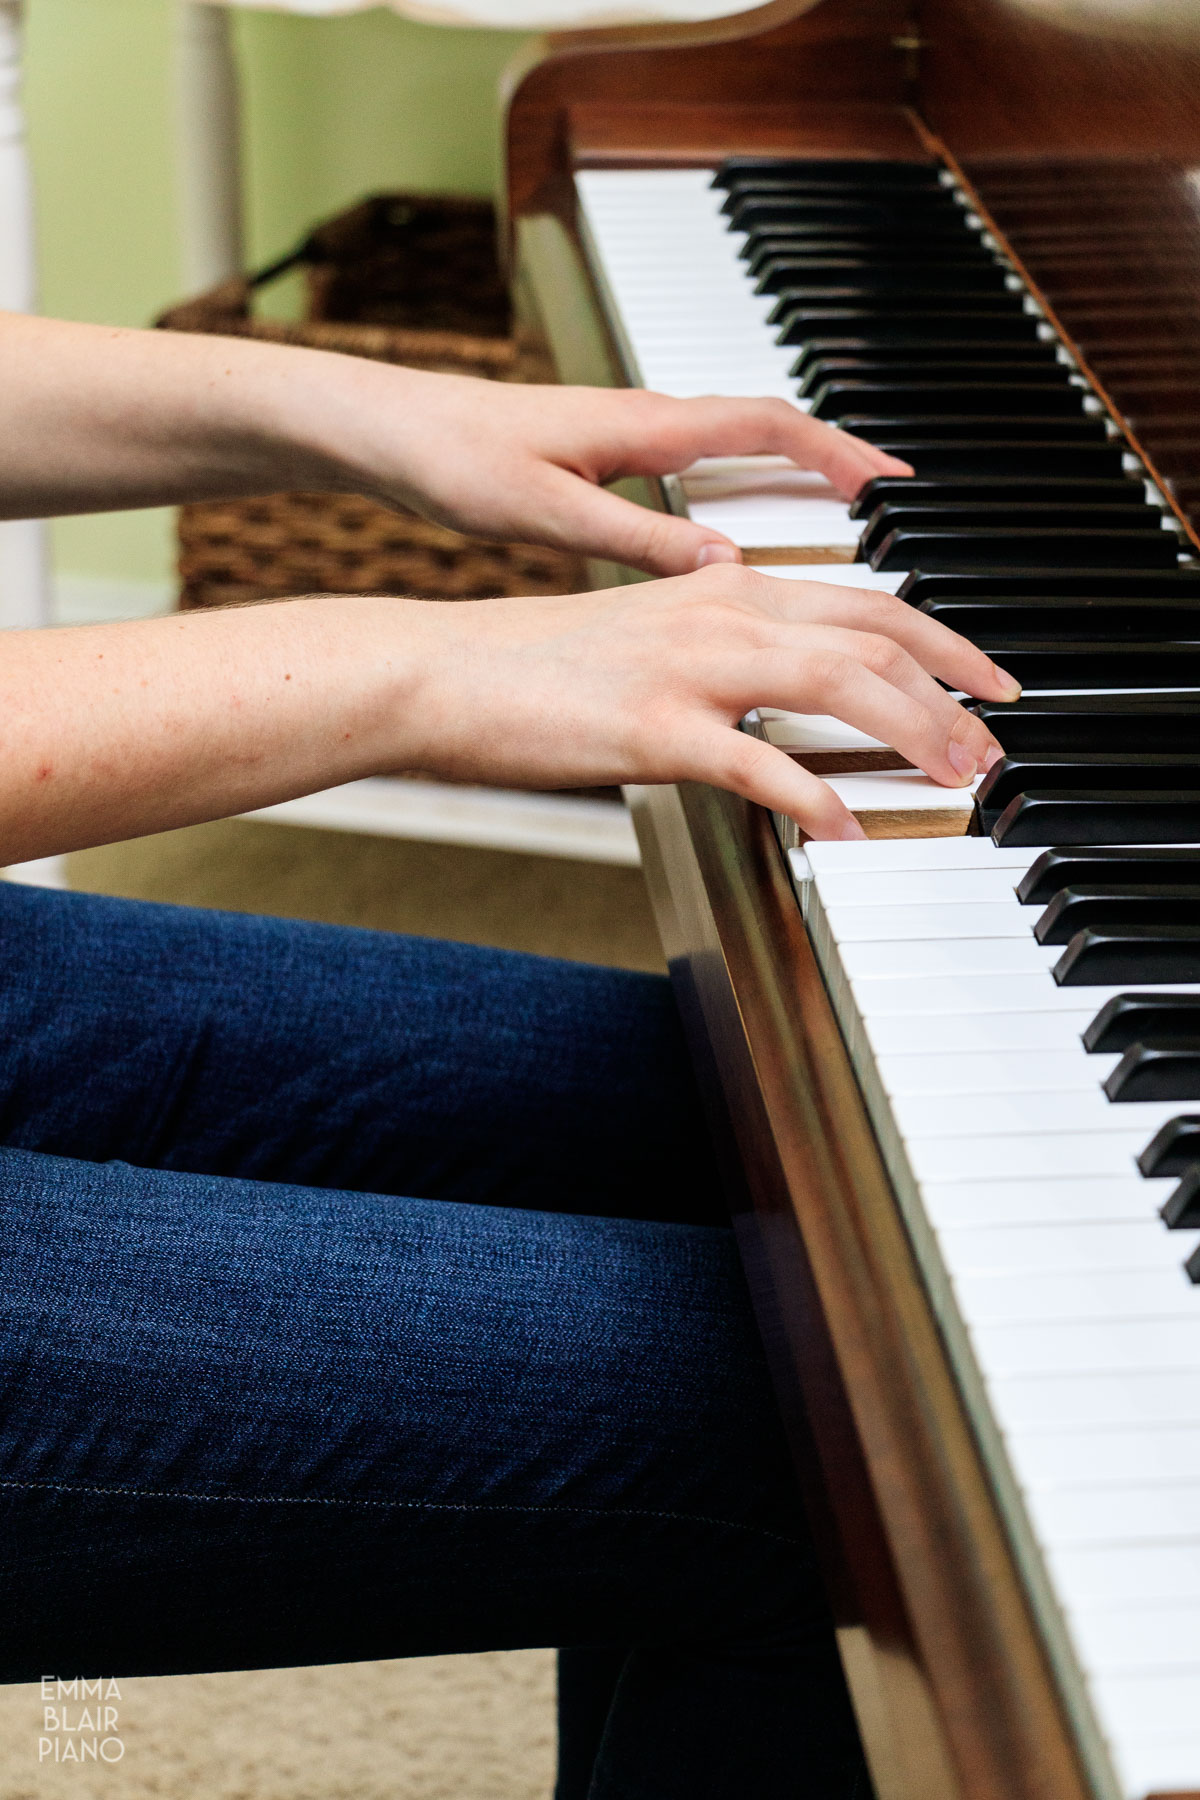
(1015, 971)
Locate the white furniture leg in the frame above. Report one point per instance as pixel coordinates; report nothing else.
(24, 572)
(208, 145)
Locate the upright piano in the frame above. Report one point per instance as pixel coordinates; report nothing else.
(953, 1071)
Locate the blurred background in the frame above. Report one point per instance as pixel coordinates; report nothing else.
(331, 109)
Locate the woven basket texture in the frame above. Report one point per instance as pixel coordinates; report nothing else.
(401, 278)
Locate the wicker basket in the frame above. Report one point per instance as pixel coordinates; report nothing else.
(405, 279)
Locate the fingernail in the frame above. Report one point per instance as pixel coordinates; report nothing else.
(1009, 681)
(995, 754)
(896, 467)
(852, 832)
(717, 553)
(961, 760)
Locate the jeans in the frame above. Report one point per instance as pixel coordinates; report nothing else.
(368, 1297)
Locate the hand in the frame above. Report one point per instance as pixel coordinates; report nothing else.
(530, 463)
(648, 685)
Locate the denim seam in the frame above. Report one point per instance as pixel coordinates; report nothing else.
(596, 1512)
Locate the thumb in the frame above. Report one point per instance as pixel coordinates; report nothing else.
(592, 520)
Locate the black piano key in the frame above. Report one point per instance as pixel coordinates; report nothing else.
(1057, 665)
(920, 303)
(1024, 547)
(1085, 584)
(993, 515)
(929, 352)
(1113, 722)
(1153, 1071)
(1181, 1210)
(1174, 1147)
(850, 170)
(1059, 616)
(1042, 376)
(808, 244)
(985, 455)
(751, 211)
(932, 279)
(880, 325)
(999, 490)
(1111, 907)
(1095, 958)
(1097, 816)
(837, 399)
(885, 329)
(1135, 1018)
(1191, 1268)
(1014, 775)
(1131, 866)
(1089, 428)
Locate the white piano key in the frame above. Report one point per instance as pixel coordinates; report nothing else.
(1158, 1764)
(1139, 1636)
(897, 855)
(1037, 1295)
(1073, 1348)
(969, 1071)
(812, 731)
(1113, 1573)
(1067, 1199)
(1029, 1114)
(1118, 1245)
(1009, 1158)
(984, 1033)
(891, 925)
(900, 790)
(911, 962)
(927, 887)
(964, 995)
(1099, 1398)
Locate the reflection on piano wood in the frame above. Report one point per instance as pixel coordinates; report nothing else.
(949, 1074)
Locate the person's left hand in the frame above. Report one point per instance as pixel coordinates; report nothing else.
(503, 461)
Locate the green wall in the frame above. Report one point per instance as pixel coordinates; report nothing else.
(333, 108)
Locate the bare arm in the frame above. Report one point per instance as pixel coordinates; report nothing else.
(93, 419)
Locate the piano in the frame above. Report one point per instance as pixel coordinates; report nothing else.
(953, 1071)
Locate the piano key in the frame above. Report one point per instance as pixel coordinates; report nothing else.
(1085, 584)
(1173, 1148)
(1027, 1113)
(1048, 1032)
(932, 547)
(1072, 1200)
(1070, 1348)
(886, 327)
(912, 348)
(840, 397)
(911, 490)
(960, 1071)
(992, 515)
(920, 887)
(1154, 1071)
(1181, 1209)
(1016, 774)
(1107, 1245)
(1099, 1398)
(1137, 1018)
(807, 244)
(986, 455)
(1131, 865)
(1046, 616)
(1032, 1295)
(881, 370)
(798, 274)
(752, 211)
(1057, 816)
(1076, 722)
(1124, 953)
(931, 427)
(976, 993)
(1043, 663)
(1112, 907)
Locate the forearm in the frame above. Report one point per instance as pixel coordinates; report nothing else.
(94, 419)
(113, 731)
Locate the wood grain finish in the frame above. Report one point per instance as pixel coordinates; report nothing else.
(945, 1662)
(1076, 122)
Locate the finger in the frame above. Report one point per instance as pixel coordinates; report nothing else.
(897, 704)
(663, 435)
(728, 758)
(944, 653)
(589, 519)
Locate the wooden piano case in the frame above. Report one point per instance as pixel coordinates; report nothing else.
(1074, 123)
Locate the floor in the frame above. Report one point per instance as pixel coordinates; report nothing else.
(445, 1728)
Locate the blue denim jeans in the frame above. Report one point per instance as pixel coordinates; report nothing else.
(366, 1296)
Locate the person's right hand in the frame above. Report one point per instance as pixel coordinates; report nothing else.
(648, 683)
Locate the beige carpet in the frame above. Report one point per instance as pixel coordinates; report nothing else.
(444, 1728)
